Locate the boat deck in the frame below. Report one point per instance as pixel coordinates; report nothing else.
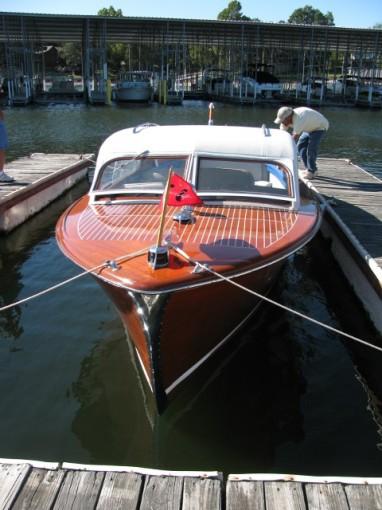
(39, 179)
(33, 484)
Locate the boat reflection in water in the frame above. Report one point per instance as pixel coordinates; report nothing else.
(176, 218)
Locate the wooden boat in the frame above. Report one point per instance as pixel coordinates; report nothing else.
(134, 86)
(173, 272)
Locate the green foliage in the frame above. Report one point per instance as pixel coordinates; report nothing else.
(116, 52)
(71, 54)
(110, 11)
(378, 25)
(233, 12)
(309, 16)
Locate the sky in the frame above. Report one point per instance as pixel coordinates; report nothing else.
(347, 13)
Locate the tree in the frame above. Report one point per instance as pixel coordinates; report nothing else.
(116, 52)
(71, 54)
(233, 12)
(309, 16)
(110, 12)
(378, 25)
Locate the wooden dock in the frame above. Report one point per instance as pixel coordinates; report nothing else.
(51, 486)
(280, 492)
(352, 199)
(39, 179)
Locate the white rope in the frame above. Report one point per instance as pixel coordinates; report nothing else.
(69, 280)
(89, 159)
(275, 303)
(204, 267)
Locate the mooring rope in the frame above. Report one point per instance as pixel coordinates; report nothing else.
(269, 300)
(182, 253)
(104, 264)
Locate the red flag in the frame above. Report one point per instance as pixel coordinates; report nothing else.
(181, 192)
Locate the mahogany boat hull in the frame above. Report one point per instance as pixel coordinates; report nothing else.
(221, 202)
(174, 333)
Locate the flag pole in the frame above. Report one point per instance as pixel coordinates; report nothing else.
(164, 209)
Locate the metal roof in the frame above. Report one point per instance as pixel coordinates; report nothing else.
(49, 28)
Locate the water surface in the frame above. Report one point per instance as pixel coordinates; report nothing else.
(291, 398)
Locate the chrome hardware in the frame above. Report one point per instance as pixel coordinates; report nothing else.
(157, 256)
(185, 215)
(198, 268)
(112, 264)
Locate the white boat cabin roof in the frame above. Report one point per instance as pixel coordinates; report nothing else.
(234, 141)
(219, 161)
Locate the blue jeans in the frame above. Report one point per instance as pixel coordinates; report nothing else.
(307, 147)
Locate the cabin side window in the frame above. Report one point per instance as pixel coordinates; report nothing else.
(242, 176)
(139, 174)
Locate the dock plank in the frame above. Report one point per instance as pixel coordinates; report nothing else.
(12, 477)
(326, 495)
(364, 497)
(201, 494)
(79, 491)
(165, 491)
(35, 485)
(284, 496)
(245, 495)
(353, 214)
(39, 179)
(120, 491)
(40, 490)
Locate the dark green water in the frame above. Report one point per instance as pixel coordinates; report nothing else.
(293, 398)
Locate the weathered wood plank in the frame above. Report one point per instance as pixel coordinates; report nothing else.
(120, 491)
(12, 477)
(326, 495)
(357, 198)
(79, 491)
(245, 495)
(39, 490)
(284, 496)
(202, 494)
(162, 492)
(364, 497)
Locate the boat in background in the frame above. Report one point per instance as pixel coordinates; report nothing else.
(185, 228)
(134, 86)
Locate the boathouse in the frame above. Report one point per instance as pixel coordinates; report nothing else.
(312, 63)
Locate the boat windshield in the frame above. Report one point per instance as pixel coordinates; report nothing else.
(138, 174)
(242, 176)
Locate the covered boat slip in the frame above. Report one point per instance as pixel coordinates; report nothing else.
(51, 486)
(301, 56)
(39, 179)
